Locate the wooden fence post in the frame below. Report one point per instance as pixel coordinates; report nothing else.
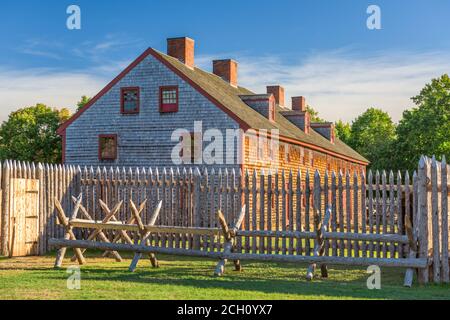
(400, 211)
(435, 222)
(5, 208)
(445, 214)
(197, 207)
(412, 237)
(321, 227)
(230, 240)
(1, 203)
(42, 239)
(422, 217)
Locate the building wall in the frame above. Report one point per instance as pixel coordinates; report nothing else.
(291, 157)
(144, 139)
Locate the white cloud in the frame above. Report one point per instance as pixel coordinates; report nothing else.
(338, 85)
(342, 86)
(90, 51)
(23, 88)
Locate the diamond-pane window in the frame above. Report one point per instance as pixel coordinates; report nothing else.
(168, 99)
(130, 100)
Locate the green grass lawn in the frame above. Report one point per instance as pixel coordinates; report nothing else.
(189, 278)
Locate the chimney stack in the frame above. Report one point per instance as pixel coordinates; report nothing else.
(182, 49)
(227, 70)
(278, 93)
(299, 104)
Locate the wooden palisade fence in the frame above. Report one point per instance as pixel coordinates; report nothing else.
(368, 213)
(432, 219)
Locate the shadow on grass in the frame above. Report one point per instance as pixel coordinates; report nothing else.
(256, 277)
(284, 279)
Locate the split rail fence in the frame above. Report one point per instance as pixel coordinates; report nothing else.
(373, 219)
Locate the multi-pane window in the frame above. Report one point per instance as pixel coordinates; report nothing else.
(130, 100)
(168, 99)
(169, 96)
(107, 147)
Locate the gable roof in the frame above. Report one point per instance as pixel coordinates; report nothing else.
(226, 97)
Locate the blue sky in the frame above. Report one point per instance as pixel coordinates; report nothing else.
(320, 49)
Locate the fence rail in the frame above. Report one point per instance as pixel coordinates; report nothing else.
(279, 206)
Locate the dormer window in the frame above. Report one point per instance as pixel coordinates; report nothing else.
(130, 100)
(168, 97)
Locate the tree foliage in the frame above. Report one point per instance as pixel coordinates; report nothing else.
(343, 130)
(372, 135)
(425, 129)
(84, 101)
(29, 134)
(314, 115)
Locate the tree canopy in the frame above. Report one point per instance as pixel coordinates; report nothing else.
(314, 115)
(84, 101)
(29, 134)
(343, 130)
(372, 135)
(425, 129)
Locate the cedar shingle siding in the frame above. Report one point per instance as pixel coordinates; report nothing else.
(144, 139)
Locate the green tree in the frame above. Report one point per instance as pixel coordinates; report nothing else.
(314, 115)
(343, 130)
(372, 135)
(29, 134)
(425, 129)
(84, 100)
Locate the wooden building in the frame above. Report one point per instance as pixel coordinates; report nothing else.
(131, 122)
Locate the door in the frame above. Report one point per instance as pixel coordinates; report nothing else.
(24, 217)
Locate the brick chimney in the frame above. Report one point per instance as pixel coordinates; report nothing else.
(182, 49)
(299, 104)
(278, 93)
(226, 69)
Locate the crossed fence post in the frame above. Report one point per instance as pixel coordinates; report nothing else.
(319, 249)
(69, 233)
(109, 215)
(230, 237)
(143, 233)
(413, 247)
